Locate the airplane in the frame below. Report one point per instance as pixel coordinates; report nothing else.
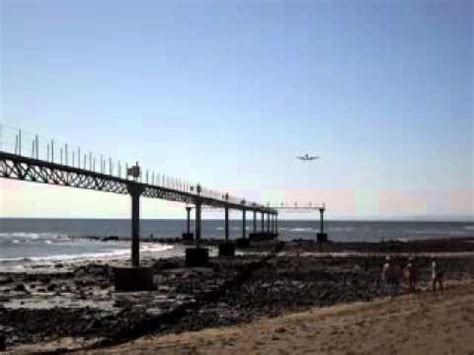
(307, 157)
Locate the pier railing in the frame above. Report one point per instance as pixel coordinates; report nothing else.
(30, 145)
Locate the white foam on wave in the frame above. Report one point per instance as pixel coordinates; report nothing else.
(303, 230)
(33, 236)
(97, 255)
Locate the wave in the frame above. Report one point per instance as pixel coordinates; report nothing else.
(91, 255)
(303, 230)
(433, 232)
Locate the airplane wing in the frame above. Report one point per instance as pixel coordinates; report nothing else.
(313, 157)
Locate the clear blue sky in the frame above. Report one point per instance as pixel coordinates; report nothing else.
(228, 93)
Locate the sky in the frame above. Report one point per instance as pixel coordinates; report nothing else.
(228, 93)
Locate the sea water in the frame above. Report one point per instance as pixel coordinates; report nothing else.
(36, 240)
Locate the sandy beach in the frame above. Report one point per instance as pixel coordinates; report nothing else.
(425, 323)
(252, 301)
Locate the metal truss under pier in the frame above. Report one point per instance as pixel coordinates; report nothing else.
(18, 167)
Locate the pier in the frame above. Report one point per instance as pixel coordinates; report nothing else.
(86, 171)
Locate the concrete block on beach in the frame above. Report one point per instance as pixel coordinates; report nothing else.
(242, 242)
(322, 237)
(227, 249)
(133, 279)
(197, 257)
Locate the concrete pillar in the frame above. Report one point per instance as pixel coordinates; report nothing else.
(321, 236)
(268, 222)
(226, 228)
(255, 221)
(321, 219)
(188, 235)
(226, 249)
(198, 224)
(135, 192)
(262, 225)
(244, 223)
(276, 223)
(188, 219)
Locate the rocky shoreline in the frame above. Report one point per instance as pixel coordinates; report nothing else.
(71, 300)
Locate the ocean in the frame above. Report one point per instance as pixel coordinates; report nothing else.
(43, 240)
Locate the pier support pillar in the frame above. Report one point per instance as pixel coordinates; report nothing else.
(197, 256)
(227, 248)
(255, 221)
(226, 227)
(135, 192)
(197, 226)
(243, 242)
(276, 224)
(321, 236)
(244, 223)
(134, 278)
(188, 236)
(268, 223)
(262, 223)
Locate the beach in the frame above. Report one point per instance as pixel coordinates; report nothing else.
(74, 305)
(420, 324)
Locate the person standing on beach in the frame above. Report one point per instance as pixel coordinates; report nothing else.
(437, 275)
(391, 276)
(412, 274)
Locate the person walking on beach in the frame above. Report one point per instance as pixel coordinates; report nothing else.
(437, 275)
(412, 274)
(391, 276)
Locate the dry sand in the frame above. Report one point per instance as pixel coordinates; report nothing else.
(419, 324)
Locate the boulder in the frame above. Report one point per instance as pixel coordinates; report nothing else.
(197, 257)
(133, 279)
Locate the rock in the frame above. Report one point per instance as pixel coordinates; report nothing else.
(3, 345)
(109, 238)
(20, 288)
(59, 265)
(51, 287)
(5, 280)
